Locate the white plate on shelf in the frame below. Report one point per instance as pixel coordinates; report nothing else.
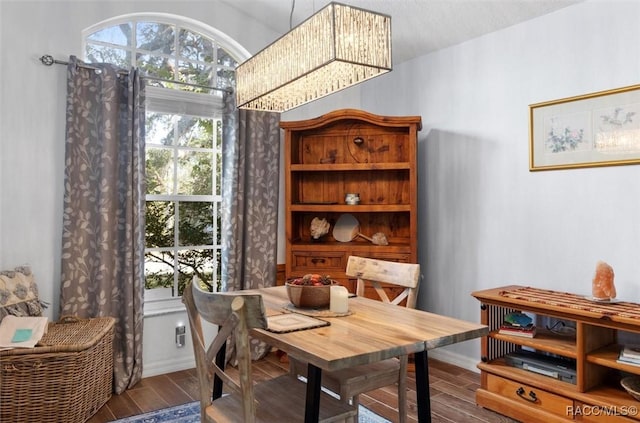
(601, 301)
(346, 228)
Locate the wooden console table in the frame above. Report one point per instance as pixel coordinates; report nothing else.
(596, 395)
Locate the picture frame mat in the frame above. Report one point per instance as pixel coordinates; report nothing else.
(575, 126)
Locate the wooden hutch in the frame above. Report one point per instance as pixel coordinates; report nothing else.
(350, 151)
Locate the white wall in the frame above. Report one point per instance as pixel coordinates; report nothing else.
(485, 219)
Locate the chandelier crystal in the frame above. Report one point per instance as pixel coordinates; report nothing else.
(336, 48)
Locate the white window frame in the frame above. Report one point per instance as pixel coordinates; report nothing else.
(226, 42)
(165, 100)
(171, 101)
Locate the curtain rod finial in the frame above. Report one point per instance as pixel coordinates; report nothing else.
(47, 60)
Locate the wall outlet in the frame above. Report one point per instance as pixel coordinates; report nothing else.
(180, 336)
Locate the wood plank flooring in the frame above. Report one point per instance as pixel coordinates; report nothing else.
(452, 394)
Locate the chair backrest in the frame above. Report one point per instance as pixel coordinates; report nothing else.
(375, 271)
(234, 314)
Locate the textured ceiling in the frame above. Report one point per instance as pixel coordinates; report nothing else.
(418, 26)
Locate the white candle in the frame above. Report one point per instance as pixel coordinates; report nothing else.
(339, 302)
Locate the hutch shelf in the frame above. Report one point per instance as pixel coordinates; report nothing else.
(350, 151)
(593, 335)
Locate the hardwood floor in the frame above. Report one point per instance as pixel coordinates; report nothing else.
(452, 394)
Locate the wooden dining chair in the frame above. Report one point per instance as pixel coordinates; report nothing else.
(350, 383)
(222, 397)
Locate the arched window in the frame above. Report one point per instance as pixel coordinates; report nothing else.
(186, 66)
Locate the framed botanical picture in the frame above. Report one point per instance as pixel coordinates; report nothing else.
(598, 129)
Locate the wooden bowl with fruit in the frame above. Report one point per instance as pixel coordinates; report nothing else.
(310, 291)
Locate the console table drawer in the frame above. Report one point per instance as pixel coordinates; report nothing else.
(529, 396)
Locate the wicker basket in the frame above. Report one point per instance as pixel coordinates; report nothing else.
(66, 378)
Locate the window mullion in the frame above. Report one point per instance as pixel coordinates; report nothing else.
(133, 47)
(176, 237)
(176, 50)
(214, 66)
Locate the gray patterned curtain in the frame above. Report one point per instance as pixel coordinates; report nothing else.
(250, 182)
(103, 227)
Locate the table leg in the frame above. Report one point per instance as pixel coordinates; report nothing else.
(422, 387)
(312, 406)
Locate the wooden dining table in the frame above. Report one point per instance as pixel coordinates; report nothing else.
(371, 332)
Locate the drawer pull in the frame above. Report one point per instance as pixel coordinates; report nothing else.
(317, 260)
(532, 395)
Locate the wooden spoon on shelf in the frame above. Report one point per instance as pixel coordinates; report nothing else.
(378, 238)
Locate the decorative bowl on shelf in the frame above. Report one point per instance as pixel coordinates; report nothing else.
(310, 291)
(631, 384)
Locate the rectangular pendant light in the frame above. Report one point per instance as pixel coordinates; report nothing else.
(336, 48)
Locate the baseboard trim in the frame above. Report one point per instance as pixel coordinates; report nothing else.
(167, 366)
(456, 359)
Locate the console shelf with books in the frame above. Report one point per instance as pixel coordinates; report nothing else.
(543, 340)
(554, 377)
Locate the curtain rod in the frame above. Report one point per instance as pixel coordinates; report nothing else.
(48, 60)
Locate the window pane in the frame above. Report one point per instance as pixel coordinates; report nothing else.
(196, 223)
(159, 170)
(219, 135)
(103, 54)
(158, 270)
(118, 34)
(218, 158)
(159, 226)
(155, 37)
(195, 263)
(195, 132)
(218, 223)
(195, 47)
(183, 148)
(159, 128)
(224, 59)
(218, 270)
(195, 74)
(194, 173)
(226, 78)
(158, 66)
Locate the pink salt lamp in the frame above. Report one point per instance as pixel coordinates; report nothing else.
(602, 287)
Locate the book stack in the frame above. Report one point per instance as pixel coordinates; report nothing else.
(630, 354)
(518, 324)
